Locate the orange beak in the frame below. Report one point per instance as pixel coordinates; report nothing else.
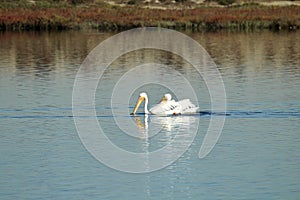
(138, 103)
(164, 99)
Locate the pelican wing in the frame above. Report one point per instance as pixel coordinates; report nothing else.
(166, 108)
(187, 106)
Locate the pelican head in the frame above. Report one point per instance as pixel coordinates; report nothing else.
(142, 97)
(166, 97)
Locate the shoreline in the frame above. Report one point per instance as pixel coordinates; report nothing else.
(112, 18)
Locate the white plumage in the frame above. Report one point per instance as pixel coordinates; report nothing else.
(167, 106)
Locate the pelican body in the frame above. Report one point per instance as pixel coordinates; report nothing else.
(184, 106)
(166, 106)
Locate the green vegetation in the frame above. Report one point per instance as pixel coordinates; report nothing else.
(82, 14)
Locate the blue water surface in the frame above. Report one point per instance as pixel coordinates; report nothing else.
(256, 157)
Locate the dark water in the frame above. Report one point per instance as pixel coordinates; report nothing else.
(256, 157)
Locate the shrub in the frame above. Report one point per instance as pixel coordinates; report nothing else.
(223, 2)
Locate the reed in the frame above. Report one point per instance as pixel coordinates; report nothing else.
(120, 18)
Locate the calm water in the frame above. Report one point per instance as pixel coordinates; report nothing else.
(256, 157)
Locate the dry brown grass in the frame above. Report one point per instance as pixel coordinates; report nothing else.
(115, 17)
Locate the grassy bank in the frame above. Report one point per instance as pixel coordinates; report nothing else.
(109, 17)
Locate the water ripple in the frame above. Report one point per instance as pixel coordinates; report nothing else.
(32, 113)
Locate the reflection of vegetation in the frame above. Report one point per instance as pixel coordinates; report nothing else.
(61, 14)
(60, 50)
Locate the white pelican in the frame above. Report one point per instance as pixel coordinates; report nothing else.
(185, 106)
(167, 106)
(157, 109)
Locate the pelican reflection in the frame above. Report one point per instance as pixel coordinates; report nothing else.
(142, 125)
(148, 127)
